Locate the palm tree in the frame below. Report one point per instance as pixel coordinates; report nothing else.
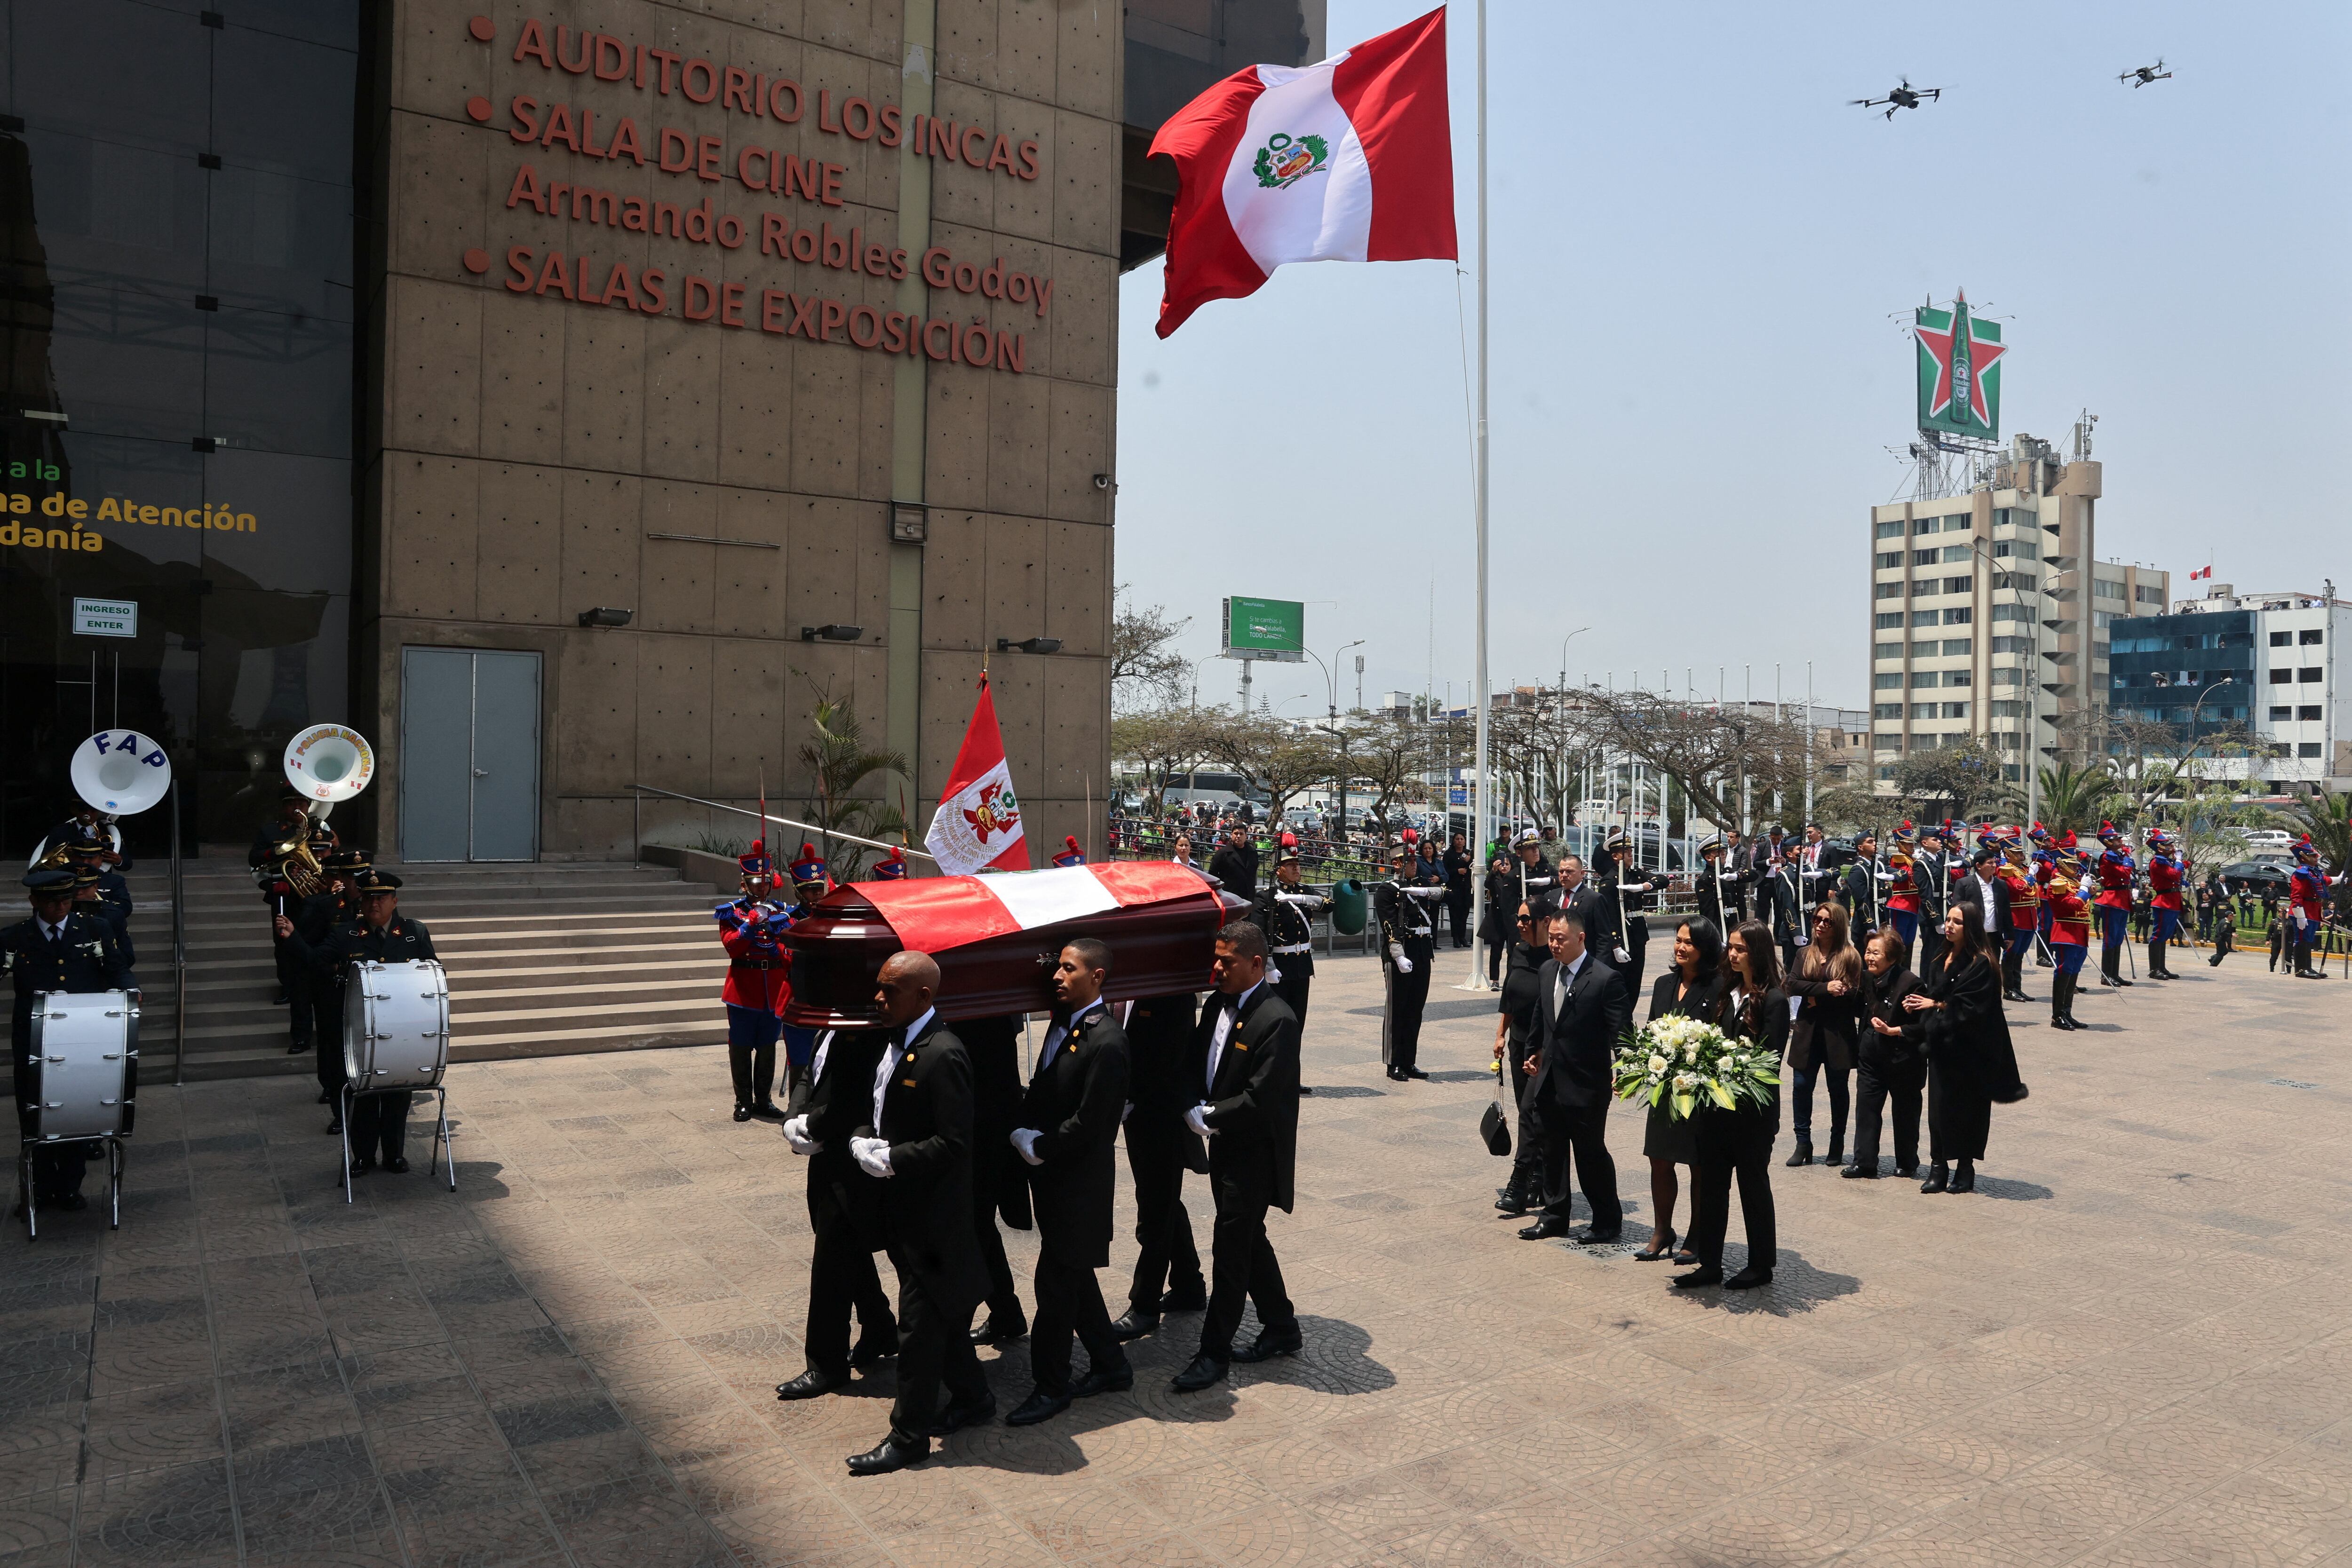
(2327, 818)
(839, 764)
(2072, 797)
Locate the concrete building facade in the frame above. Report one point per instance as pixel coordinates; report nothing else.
(2263, 664)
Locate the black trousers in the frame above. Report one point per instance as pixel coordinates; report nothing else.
(1407, 995)
(1069, 1300)
(934, 1347)
(1743, 1152)
(842, 1278)
(753, 1068)
(302, 1010)
(1931, 945)
(1241, 1259)
(1165, 1256)
(987, 1175)
(326, 1004)
(1526, 1160)
(1502, 929)
(379, 1126)
(1293, 989)
(1457, 910)
(1637, 943)
(58, 1169)
(1577, 1136)
(1875, 1083)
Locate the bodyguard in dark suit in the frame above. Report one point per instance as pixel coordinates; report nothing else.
(1584, 1009)
(1161, 1148)
(1245, 1055)
(916, 1142)
(1984, 891)
(830, 1103)
(1069, 1122)
(999, 1189)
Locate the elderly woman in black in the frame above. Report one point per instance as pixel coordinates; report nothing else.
(1739, 1143)
(1828, 978)
(1693, 988)
(1970, 1062)
(1889, 1070)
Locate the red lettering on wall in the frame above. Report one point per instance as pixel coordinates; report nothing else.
(737, 93)
(701, 299)
(531, 44)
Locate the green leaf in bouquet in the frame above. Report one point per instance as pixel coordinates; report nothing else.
(1683, 1106)
(1721, 1095)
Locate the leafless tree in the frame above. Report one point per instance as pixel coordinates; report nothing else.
(1267, 754)
(1145, 668)
(1157, 743)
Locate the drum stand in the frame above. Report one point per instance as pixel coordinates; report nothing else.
(441, 1144)
(115, 1160)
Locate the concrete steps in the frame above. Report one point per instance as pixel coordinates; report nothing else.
(553, 959)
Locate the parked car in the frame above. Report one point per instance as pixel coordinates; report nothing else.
(2275, 839)
(2256, 877)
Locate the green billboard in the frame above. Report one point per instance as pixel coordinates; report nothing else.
(1959, 371)
(1270, 628)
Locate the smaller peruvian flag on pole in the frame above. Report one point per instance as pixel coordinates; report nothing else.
(1347, 160)
(978, 823)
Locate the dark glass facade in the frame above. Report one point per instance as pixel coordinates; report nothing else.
(176, 192)
(2160, 665)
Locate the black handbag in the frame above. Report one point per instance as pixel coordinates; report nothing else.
(1494, 1127)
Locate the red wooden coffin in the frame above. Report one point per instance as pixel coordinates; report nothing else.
(998, 937)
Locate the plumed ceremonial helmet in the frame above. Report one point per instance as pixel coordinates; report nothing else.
(756, 863)
(892, 867)
(2304, 850)
(1071, 853)
(808, 868)
(2107, 833)
(1288, 854)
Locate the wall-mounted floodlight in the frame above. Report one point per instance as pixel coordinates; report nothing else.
(832, 634)
(603, 615)
(1030, 646)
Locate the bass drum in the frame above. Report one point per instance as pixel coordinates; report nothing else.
(396, 1025)
(85, 1066)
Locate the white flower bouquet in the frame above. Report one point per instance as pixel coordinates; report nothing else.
(1681, 1064)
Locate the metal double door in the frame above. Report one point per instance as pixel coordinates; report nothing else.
(469, 755)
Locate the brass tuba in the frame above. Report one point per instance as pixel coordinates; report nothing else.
(297, 867)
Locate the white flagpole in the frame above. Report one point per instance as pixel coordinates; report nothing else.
(1477, 981)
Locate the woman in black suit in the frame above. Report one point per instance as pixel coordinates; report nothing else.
(1970, 1062)
(1828, 977)
(1890, 1068)
(1739, 1143)
(1692, 988)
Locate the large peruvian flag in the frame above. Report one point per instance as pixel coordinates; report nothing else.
(1350, 160)
(979, 819)
(939, 913)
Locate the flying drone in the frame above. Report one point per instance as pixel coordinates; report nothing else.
(2140, 76)
(1904, 97)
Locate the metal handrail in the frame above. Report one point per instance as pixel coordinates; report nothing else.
(639, 792)
(179, 944)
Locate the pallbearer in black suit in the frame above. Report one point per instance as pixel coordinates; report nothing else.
(828, 1104)
(1585, 1008)
(1406, 906)
(1069, 1122)
(1245, 1056)
(999, 1188)
(1285, 912)
(61, 948)
(1160, 1149)
(918, 1144)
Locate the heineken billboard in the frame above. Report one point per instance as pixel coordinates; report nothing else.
(1959, 371)
(1269, 628)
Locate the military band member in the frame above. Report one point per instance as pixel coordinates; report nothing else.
(60, 948)
(2308, 895)
(1860, 889)
(2069, 937)
(1284, 910)
(87, 828)
(90, 897)
(382, 935)
(2024, 919)
(268, 858)
(1408, 950)
(1902, 888)
(320, 1005)
(750, 928)
(2165, 875)
(2117, 874)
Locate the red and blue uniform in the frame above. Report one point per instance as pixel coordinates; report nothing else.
(2165, 875)
(1903, 899)
(1071, 854)
(2070, 927)
(2307, 897)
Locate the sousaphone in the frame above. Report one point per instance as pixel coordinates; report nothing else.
(119, 773)
(328, 764)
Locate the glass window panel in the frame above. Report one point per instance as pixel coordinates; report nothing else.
(283, 104)
(281, 243)
(280, 384)
(129, 362)
(154, 86)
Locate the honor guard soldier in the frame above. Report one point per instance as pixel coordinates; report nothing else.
(1716, 885)
(1780, 901)
(1902, 888)
(2045, 866)
(750, 928)
(2165, 875)
(1408, 949)
(2116, 873)
(380, 934)
(60, 948)
(1071, 854)
(2307, 892)
(1624, 896)
(2070, 936)
(811, 880)
(891, 867)
(1284, 910)
(2025, 914)
(1859, 889)
(1931, 875)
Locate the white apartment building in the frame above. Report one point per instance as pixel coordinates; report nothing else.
(2264, 660)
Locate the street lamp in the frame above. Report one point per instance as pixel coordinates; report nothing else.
(1332, 727)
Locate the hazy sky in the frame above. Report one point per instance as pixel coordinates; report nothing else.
(1704, 265)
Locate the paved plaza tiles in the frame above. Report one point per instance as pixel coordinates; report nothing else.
(2131, 1346)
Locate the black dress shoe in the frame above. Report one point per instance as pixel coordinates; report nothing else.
(1543, 1231)
(297, 1047)
(1510, 1204)
(1134, 1325)
(1414, 1072)
(1271, 1343)
(1699, 1278)
(895, 1452)
(1748, 1278)
(811, 1383)
(362, 1167)
(874, 1348)
(1599, 1238)
(1306, 1089)
(1396, 1075)
(326, 1097)
(1938, 1180)
(1100, 1380)
(1964, 1181)
(1906, 1172)
(1863, 1173)
(397, 1165)
(956, 1417)
(334, 1126)
(991, 1332)
(71, 1202)
(1205, 1370)
(1039, 1406)
(768, 1111)
(281, 999)
(1192, 1298)
(743, 1113)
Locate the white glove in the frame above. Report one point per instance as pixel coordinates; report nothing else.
(1273, 975)
(796, 1134)
(1301, 900)
(873, 1155)
(1197, 1118)
(1396, 951)
(1622, 956)
(1025, 1140)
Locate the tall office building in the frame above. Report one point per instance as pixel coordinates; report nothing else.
(1990, 611)
(2263, 661)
